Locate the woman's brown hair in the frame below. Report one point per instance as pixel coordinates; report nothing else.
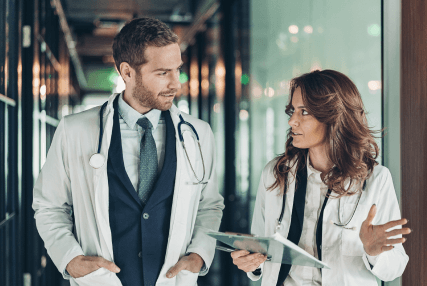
(333, 99)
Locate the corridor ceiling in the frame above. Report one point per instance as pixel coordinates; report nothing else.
(94, 23)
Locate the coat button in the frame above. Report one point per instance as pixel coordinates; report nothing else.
(145, 215)
(140, 254)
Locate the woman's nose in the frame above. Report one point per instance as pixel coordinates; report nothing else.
(293, 120)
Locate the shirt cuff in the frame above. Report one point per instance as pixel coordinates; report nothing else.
(372, 260)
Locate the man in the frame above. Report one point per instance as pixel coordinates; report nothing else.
(140, 209)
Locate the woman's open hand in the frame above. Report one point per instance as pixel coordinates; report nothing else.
(246, 261)
(375, 238)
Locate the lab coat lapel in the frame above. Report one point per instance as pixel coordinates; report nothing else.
(100, 181)
(116, 155)
(180, 207)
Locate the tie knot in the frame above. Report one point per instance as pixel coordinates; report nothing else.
(144, 123)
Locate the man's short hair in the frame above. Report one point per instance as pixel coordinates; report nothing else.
(130, 43)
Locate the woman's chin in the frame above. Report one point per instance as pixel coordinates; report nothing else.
(299, 145)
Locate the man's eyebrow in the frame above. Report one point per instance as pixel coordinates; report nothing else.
(162, 69)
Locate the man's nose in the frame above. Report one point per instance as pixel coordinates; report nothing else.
(174, 82)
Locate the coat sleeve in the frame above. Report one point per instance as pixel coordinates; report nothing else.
(52, 203)
(258, 219)
(210, 208)
(390, 264)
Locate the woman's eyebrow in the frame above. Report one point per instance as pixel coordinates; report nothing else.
(300, 107)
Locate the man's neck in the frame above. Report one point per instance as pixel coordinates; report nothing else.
(129, 99)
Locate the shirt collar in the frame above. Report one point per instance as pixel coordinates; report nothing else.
(131, 116)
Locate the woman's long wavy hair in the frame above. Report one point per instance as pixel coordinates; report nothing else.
(333, 99)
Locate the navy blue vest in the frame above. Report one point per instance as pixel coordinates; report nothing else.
(139, 235)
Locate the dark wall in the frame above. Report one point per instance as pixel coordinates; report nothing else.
(413, 102)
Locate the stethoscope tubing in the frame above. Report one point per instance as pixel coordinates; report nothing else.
(279, 220)
(97, 160)
(101, 126)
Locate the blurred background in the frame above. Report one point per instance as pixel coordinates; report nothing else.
(239, 57)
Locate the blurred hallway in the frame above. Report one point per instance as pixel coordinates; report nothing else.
(239, 57)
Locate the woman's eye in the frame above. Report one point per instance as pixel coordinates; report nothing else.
(304, 112)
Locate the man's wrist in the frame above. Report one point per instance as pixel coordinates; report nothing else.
(198, 258)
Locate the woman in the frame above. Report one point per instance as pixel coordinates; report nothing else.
(328, 174)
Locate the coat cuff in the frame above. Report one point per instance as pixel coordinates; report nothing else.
(70, 256)
(203, 254)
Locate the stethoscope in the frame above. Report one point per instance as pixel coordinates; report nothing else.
(97, 160)
(340, 224)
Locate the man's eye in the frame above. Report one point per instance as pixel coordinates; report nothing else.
(163, 73)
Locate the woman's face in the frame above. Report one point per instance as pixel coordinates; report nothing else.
(307, 131)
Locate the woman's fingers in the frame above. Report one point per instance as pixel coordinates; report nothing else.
(394, 223)
(395, 232)
(239, 253)
(250, 262)
(387, 248)
(395, 240)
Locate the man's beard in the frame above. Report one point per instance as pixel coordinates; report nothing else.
(148, 99)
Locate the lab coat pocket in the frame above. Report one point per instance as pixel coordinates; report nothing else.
(186, 278)
(100, 277)
(351, 243)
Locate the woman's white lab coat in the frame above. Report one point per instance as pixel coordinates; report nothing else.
(68, 187)
(342, 249)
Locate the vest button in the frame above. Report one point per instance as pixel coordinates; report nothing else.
(140, 254)
(145, 215)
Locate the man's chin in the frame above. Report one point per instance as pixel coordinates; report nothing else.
(165, 106)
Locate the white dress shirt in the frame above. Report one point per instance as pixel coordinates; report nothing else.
(131, 135)
(315, 196)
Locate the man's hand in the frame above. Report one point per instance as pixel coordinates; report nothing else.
(246, 261)
(192, 263)
(81, 265)
(375, 238)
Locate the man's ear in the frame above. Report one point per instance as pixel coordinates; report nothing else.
(126, 71)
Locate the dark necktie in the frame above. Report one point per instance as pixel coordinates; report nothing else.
(147, 161)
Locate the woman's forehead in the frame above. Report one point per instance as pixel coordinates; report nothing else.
(297, 98)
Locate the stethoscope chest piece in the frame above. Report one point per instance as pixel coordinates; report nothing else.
(96, 161)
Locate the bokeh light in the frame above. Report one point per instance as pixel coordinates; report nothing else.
(374, 85)
(244, 115)
(244, 79)
(183, 78)
(269, 91)
(374, 30)
(293, 29)
(308, 29)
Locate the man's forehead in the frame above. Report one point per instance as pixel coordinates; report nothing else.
(165, 53)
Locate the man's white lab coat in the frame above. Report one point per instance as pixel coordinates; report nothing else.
(342, 249)
(68, 187)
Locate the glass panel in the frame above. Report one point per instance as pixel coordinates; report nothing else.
(289, 38)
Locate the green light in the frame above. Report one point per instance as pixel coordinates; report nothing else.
(374, 30)
(244, 79)
(183, 77)
(112, 78)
